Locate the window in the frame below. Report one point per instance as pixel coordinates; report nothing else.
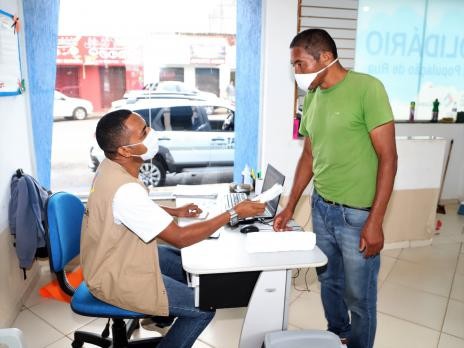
(173, 68)
(416, 48)
(171, 74)
(208, 79)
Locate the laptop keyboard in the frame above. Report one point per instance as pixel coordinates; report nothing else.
(232, 199)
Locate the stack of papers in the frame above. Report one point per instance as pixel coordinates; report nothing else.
(266, 242)
(200, 191)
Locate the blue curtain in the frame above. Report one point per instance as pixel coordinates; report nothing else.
(248, 85)
(41, 33)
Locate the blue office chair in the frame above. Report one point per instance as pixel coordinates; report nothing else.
(64, 213)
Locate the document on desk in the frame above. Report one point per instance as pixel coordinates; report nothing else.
(160, 195)
(266, 242)
(200, 191)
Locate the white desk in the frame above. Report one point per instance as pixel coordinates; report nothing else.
(268, 306)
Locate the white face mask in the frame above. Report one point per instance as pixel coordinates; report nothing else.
(304, 80)
(151, 143)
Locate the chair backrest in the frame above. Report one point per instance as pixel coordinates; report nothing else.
(64, 221)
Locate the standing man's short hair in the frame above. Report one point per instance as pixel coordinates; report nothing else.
(111, 131)
(315, 41)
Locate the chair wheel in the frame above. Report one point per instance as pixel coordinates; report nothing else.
(77, 344)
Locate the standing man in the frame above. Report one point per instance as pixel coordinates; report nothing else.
(349, 149)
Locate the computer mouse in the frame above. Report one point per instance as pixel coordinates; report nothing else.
(249, 228)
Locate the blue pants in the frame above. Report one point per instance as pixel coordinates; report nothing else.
(349, 280)
(190, 321)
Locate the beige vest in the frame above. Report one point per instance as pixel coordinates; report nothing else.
(119, 268)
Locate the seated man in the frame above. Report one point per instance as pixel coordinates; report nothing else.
(121, 261)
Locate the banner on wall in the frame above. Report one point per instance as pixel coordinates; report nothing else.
(416, 48)
(10, 67)
(90, 50)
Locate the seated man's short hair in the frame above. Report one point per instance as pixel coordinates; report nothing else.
(111, 131)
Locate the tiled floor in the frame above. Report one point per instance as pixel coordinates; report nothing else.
(420, 302)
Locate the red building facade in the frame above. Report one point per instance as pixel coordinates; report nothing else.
(96, 68)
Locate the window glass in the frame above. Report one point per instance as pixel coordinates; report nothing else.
(171, 74)
(221, 119)
(174, 67)
(416, 48)
(182, 118)
(152, 117)
(208, 79)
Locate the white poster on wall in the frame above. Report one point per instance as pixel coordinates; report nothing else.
(10, 68)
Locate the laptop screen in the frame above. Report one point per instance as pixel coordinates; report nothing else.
(272, 177)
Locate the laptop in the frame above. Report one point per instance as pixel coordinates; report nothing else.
(272, 177)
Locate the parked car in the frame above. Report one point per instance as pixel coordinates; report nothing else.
(188, 136)
(152, 172)
(165, 90)
(71, 108)
(176, 87)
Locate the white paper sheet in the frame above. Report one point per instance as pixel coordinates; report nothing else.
(262, 242)
(270, 194)
(161, 195)
(195, 191)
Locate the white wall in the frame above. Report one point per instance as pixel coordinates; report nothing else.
(17, 152)
(277, 103)
(453, 187)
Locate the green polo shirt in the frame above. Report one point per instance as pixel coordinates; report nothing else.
(338, 121)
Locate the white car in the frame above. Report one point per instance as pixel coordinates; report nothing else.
(189, 136)
(71, 108)
(165, 90)
(179, 88)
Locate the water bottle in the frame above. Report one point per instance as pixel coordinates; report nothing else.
(246, 175)
(412, 110)
(454, 112)
(435, 111)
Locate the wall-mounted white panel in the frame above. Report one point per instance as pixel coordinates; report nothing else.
(420, 163)
(453, 187)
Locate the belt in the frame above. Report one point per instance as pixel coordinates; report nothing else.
(343, 205)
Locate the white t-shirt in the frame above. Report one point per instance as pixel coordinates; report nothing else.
(133, 208)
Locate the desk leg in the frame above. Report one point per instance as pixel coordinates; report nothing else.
(266, 309)
(288, 288)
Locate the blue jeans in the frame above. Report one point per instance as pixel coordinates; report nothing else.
(349, 280)
(190, 321)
